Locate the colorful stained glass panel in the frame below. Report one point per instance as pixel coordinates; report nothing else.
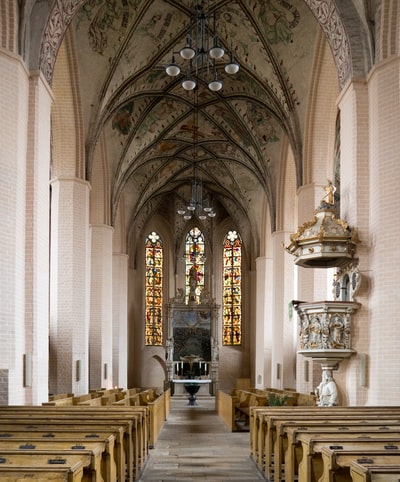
(232, 290)
(153, 290)
(194, 263)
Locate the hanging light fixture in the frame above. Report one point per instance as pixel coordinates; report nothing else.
(196, 207)
(203, 52)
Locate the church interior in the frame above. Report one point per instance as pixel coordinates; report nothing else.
(200, 190)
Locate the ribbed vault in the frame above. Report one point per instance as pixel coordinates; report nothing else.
(157, 135)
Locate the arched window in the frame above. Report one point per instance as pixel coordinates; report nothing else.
(232, 290)
(194, 264)
(154, 288)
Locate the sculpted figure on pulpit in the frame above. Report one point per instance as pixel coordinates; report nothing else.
(327, 390)
(330, 193)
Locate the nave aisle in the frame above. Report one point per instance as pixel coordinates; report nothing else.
(196, 445)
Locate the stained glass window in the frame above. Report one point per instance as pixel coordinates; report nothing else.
(154, 285)
(194, 263)
(232, 291)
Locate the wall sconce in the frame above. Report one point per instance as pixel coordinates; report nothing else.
(27, 362)
(77, 370)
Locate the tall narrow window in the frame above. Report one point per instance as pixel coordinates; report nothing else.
(154, 284)
(232, 291)
(194, 263)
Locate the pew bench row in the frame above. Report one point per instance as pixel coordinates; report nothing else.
(122, 459)
(325, 444)
(79, 442)
(157, 403)
(234, 408)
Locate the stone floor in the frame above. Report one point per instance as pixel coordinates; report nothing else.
(195, 444)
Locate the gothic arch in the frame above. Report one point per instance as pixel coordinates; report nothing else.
(68, 150)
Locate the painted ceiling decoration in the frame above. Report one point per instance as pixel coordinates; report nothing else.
(147, 119)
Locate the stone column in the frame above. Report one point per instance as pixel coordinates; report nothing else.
(384, 232)
(356, 193)
(283, 330)
(36, 354)
(70, 286)
(120, 319)
(101, 327)
(263, 323)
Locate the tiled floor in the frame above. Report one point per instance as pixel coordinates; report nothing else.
(196, 445)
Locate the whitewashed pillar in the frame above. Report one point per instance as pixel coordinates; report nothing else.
(101, 326)
(120, 319)
(70, 286)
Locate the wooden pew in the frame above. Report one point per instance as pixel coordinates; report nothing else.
(294, 451)
(94, 397)
(315, 464)
(146, 418)
(72, 473)
(106, 446)
(336, 462)
(60, 396)
(259, 429)
(226, 409)
(158, 408)
(245, 401)
(157, 405)
(374, 472)
(267, 437)
(278, 447)
(230, 405)
(268, 415)
(123, 432)
(136, 449)
(61, 400)
(73, 436)
(282, 454)
(304, 402)
(105, 398)
(40, 459)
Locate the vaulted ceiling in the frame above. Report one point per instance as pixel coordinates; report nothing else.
(158, 136)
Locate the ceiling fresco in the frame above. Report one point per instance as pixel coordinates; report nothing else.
(158, 136)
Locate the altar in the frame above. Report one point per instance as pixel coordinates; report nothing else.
(191, 387)
(179, 386)
(192, 345)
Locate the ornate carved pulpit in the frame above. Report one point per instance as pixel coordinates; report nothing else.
(325, 327)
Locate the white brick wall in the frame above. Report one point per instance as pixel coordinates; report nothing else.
(384, 274)
(14, 91)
